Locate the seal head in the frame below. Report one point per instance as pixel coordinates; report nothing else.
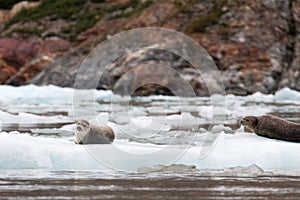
(249, 122)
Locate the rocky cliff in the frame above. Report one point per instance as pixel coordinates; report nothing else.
(255, 44)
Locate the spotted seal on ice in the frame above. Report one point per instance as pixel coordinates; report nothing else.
(273, 127)
(87, 133)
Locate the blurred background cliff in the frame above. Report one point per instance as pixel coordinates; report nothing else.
(255, 44)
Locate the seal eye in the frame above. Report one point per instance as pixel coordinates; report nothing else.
(247, 120)
(78, 123)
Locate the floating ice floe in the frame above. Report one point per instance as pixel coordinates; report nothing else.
(240, 171)
(160, 130)
(184, 121)
(286, 94)
(220, 128)
(51, 94)
(23, 118)
(260, 98)
(22, 151)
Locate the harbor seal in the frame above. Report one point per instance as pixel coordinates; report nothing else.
(273, 127)
(87, 133)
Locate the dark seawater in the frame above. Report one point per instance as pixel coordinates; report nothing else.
(94, 185)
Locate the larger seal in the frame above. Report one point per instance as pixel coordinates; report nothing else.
(273, 127)
(87, 133)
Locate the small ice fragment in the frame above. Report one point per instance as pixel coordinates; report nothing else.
(120, 118)
(252, 170)
(141, 122)
(174, 168)
(217, 129)
(220, 128)
(102, 118)
(202, 130)
(69, 127)
(180, 138)
(259, 97)
(183, 120)
(287, 94)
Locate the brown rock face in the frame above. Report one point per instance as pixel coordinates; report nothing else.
(29, 70)
(21, 60)
(17, 52)
(55, 45)
(149, 72)
(155, 15)
(4, 15)
(291, 75)
(101, 28)
(255, 45)
(6, 72)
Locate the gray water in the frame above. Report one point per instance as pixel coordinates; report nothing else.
(97, 185)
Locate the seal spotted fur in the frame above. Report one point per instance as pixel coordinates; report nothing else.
(273, 127)
(87, 133)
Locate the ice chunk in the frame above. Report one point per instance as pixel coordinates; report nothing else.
(31, 118)
(137, 111)
(212, 111)
(162, 110)
(69, 127)
(259, 97)
(234, 112)
(252, 170)
(174, 126)
(36, 94)
(220, 128)
(142, 122)
(250, 111)
(202, 130)
(119, 118)
(183, 138)
(287, 94)
(142, 127)
(184, 120)
(175, 168)
(249, 171)
(47, 94)
(240, 171)
(21, 151)
(247, 148)
(101, 118)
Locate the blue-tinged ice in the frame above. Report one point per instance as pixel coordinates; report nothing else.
(157, 130)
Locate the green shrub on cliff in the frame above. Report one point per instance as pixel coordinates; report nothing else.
(8, 4)
(78, 15)
(64, 9)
